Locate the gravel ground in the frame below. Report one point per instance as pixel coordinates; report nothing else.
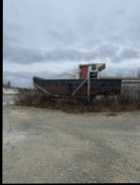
(47, 146)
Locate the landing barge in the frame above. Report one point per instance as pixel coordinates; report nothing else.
(87, 86)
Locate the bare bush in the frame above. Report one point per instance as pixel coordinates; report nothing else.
(126, 101)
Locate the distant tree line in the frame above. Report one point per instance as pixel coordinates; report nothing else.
(138, 75)
(7, 84)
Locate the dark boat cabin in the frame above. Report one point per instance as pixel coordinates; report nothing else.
(90, 70)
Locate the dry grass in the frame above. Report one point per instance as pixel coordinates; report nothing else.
(127, 101)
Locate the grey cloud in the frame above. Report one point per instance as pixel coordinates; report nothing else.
(81, 30)
(129, 54)
(126, 54)
(22, 55)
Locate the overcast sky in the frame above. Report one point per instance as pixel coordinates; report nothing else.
(49, 38)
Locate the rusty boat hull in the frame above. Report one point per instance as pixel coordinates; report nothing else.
(66, 87)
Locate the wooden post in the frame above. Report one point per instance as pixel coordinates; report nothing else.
(82, 83)
(88, 85)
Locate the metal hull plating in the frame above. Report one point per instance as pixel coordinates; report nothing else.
(66, 87)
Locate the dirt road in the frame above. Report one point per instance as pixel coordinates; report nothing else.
(44, 146)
